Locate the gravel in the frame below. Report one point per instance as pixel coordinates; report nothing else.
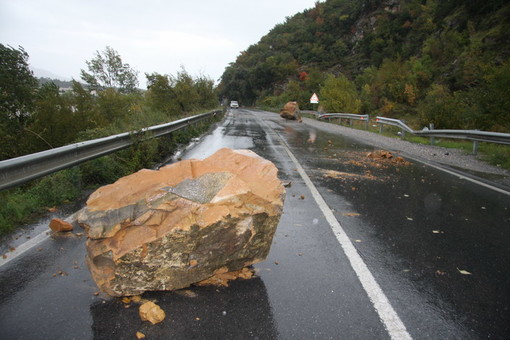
(454, 159)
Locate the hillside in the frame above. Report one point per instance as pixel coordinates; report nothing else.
(444, 62)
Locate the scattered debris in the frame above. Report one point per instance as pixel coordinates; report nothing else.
(350, 214)
(464, 272)
(140, 335)
(151, 312)
(287, 184)
(343, 175)
(59, 225)
(302, 197)
(60, 273)
(186, 293)
(437, 232)
(223, 276)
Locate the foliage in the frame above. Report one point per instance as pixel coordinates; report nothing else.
(179, 94)
(401, 56)
(17, 89)
(340, 95)
(107, 71)
(17, 83)
(44, 117)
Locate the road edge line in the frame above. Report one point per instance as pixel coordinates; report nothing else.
(22, 248)
(392, 322)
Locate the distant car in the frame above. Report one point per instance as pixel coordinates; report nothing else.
(234, 104)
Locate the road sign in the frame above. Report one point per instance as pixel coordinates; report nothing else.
(314, 99)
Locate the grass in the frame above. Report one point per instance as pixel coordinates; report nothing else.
(25, 204)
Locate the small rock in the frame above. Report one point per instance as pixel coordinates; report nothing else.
(151, 312)
(59, 225)
(140, 335)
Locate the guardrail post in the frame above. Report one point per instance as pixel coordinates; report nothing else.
(432, 138)
(380, 128)
(366, 122)
(475, 147)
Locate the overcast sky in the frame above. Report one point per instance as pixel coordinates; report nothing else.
(150, 35)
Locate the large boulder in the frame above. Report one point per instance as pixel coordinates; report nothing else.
(290, 111)
(169, 228)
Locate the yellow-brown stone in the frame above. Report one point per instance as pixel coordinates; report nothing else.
(166, 229)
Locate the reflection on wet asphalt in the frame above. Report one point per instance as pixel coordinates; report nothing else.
(444, 241)
(418, 230)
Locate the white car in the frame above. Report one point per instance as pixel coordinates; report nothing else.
(234, 104)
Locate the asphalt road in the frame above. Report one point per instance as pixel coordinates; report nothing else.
(365, 249)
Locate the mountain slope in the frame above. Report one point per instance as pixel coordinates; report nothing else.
(438, 61)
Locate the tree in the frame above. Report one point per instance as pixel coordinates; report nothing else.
(17, 83)
(340, 95)
(180, 94)
(17, 88)
(107, 71)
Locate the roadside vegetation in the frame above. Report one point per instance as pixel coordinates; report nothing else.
(440, 62)
(37, 117)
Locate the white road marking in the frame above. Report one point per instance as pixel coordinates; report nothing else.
(395, 327)
(460, 176)
(24, 247)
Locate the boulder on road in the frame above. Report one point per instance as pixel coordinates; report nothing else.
(169, 228)
(59, 225)
(290, 111)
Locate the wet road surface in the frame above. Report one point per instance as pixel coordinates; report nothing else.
(419, 231)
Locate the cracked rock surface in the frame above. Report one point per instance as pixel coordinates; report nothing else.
(169, 228)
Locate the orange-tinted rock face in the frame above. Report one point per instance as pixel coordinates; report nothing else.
(59, 225)
(290, 111)
(167, 229)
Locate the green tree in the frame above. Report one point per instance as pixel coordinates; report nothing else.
(159, 94)
(442, 108)
(107, 71)
(175, 95)
(53, 122)
(17, 89)
(339, 94)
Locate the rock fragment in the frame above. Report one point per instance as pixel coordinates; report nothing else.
(59, 225)
(151, 312)
(179, 225)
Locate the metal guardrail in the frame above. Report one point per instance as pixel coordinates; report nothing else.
(22, 169)
(350, 116)
(473, 135)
